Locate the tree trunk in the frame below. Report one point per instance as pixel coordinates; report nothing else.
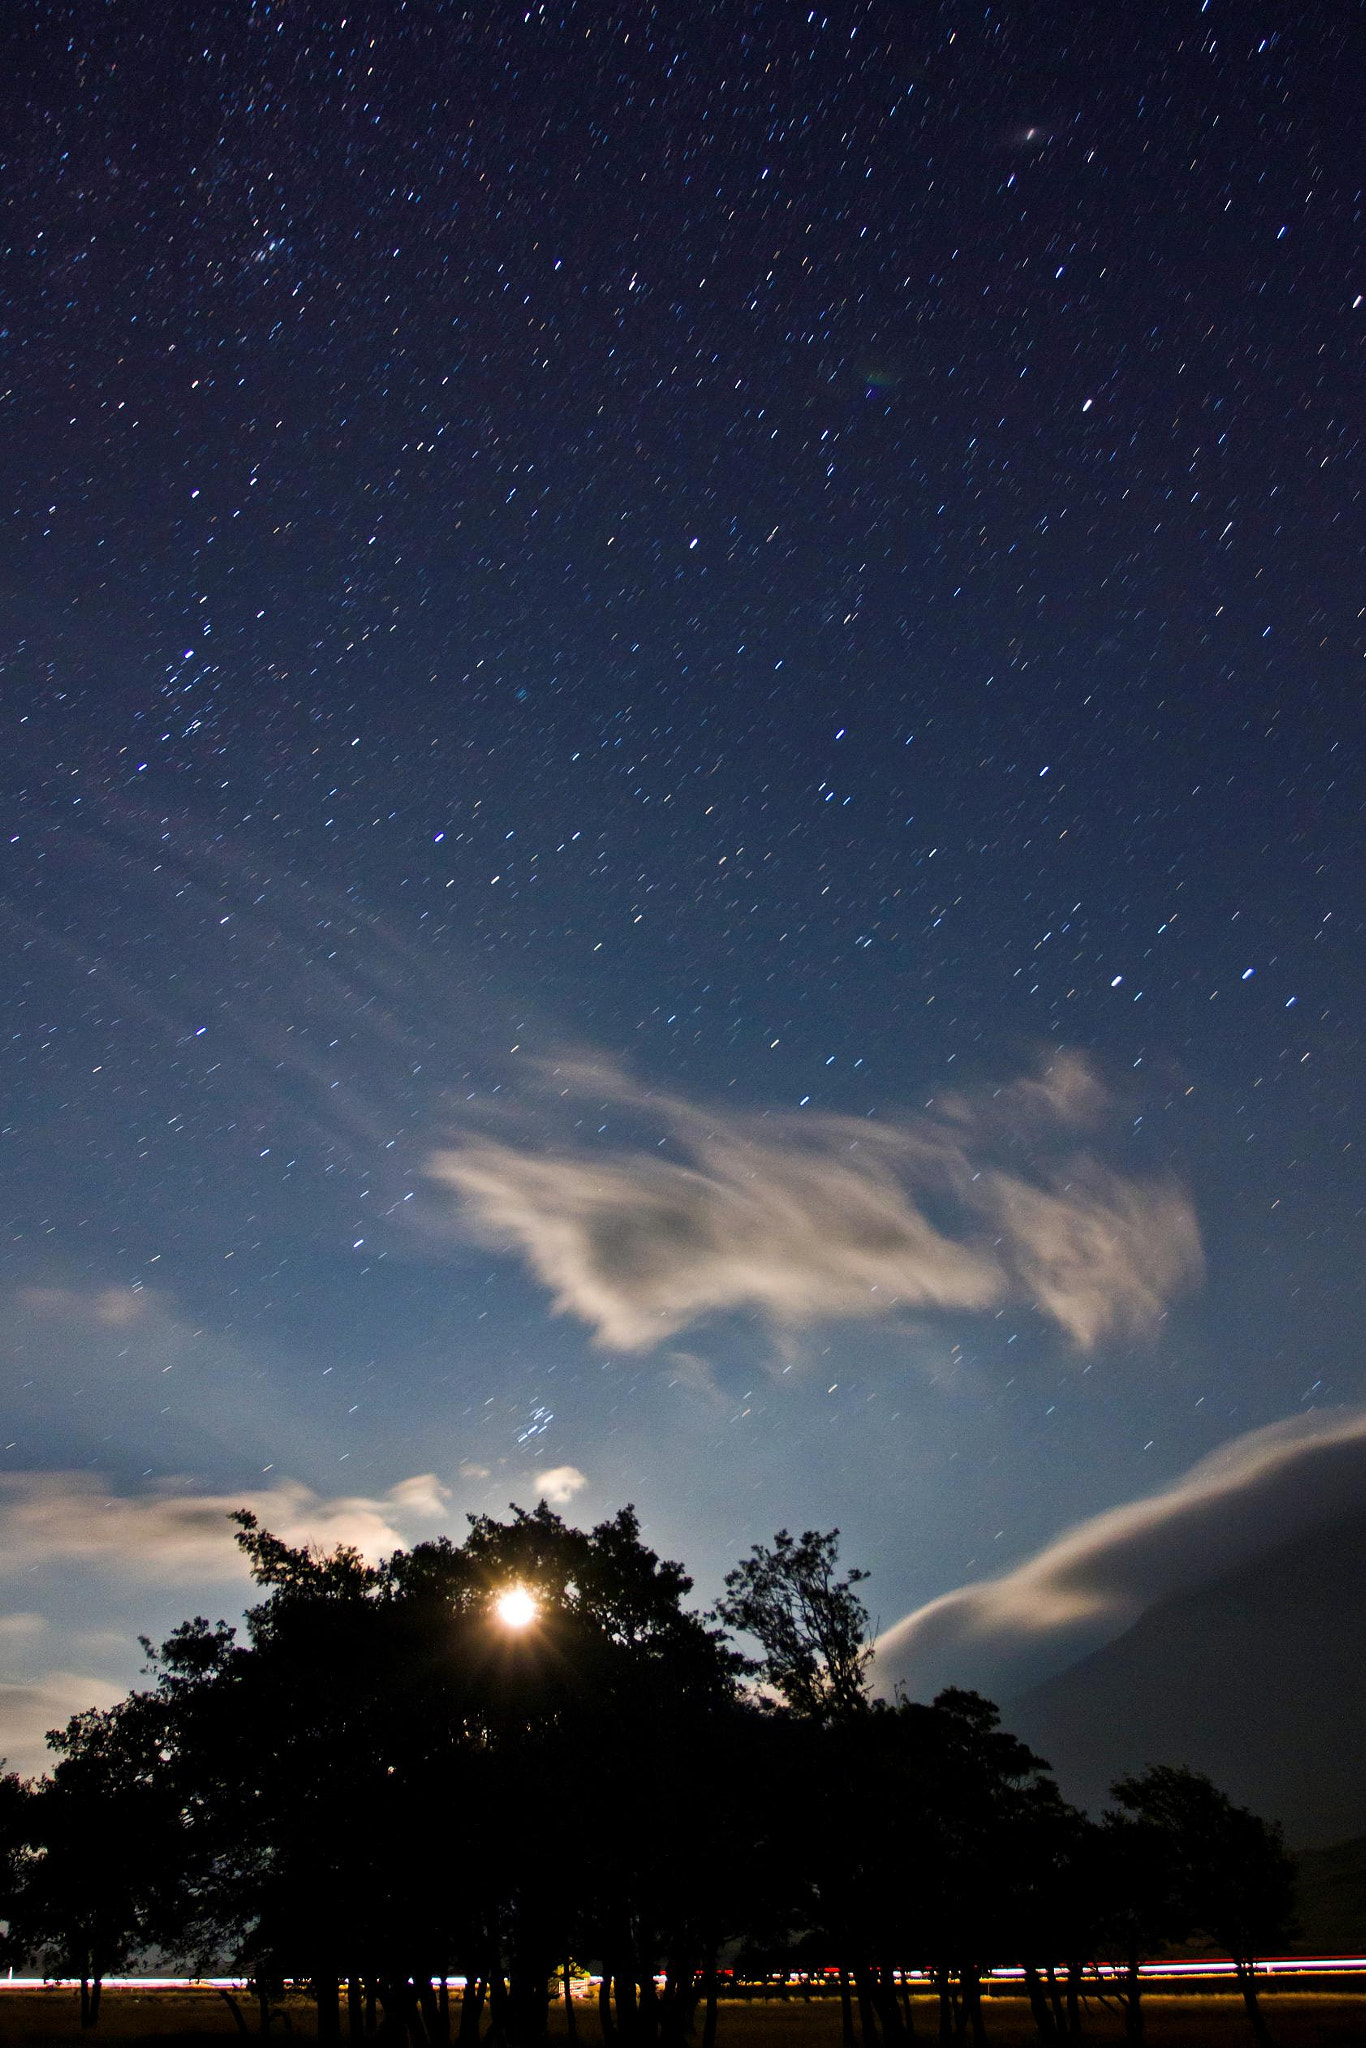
(393, 2001)
(328, 2006)
(571, 2023)
(679, 2004)
(971, 1984)
(471, 2007)
(605, 2016)
(709, 2024)
(235, 2009)
(1044, 2025)
(948, 2011)
(1133, 1999)
(624, 1984)
(1055, 2000)
(648, 2027)
(443, 2011)
(847, 2035)
(1256, 2019)
(867, 2015)
(883, 1991)
(907, 2017)
(355, 2009)
(531, 1972)
(427, 2006)
(1074, 1976)
(498, 2008)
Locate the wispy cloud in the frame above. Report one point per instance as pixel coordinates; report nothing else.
(21, 1628)
(148, 1545)
(109, 1308)
(1094, 1580)
(27, 1711)
(978, 1202)
(173, 1536)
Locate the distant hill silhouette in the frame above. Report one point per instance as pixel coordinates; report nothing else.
(1258, 1679)
(1331, 1899)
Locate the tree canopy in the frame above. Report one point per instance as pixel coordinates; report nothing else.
(387, 1781)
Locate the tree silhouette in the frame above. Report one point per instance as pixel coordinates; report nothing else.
(987, 1802)
(810, 1624)
(16, 1799)
(380, 1784)
(1076, 1913)
(1225, 1871)
(100, 1838)
(813, 1631)
(374, 1709)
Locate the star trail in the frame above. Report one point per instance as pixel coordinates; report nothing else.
(682, 757)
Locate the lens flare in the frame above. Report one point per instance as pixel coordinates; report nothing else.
(516, 1608)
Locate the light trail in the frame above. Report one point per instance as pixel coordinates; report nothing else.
(1186, 1968)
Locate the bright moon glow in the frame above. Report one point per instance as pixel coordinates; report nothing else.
(516, 1608)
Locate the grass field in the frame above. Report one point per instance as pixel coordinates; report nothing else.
(49, 2019)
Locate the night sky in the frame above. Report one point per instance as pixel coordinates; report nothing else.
(682, 748)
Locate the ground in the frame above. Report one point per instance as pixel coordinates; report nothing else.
(49, 2019)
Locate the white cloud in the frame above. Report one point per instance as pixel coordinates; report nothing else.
(166, 1539)
(559, 1484)
(112, 1308)
(1094, 1580)
(173, 1536)
(975, 1204)
(27, 1711)
(422, 1497)
(19, 1628)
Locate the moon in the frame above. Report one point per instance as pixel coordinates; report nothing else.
(516, 1608)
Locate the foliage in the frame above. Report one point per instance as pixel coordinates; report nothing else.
(810, 1624)
(96, 1841)
(376, 1786)
(1208, 1866)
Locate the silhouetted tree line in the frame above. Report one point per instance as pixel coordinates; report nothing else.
(381, 1788)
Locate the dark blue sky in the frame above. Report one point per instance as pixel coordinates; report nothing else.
(809, 561)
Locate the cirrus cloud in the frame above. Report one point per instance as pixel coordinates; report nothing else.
(977, 1203)
(170, 1535)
